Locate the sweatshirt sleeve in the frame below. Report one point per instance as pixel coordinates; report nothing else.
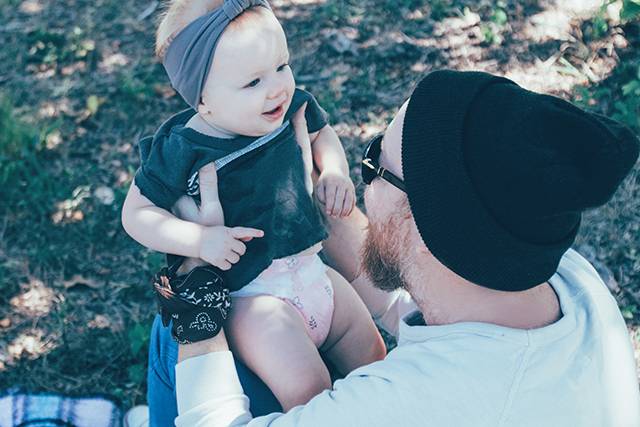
(210, 395)
(165, 164)
(316, 117)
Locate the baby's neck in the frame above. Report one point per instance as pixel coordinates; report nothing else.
(198, 123)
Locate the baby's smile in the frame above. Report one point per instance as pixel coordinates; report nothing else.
(275, 113)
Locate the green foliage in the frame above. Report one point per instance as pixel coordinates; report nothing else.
(154, 260)
(18, 143)
(22, 172)
(52, 47)
(138, 336)
(629, 312)
(498, 19)
(440, 9)
(599, 25)
(630, 10)
(627, 108)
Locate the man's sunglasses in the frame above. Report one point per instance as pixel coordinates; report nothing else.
(370, 167)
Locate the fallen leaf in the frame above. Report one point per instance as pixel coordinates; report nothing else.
(148, 11)
(78, 280)
(104, 195)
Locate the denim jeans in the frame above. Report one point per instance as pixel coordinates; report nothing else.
(161, 381)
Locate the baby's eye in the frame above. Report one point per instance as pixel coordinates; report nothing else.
(282, 67)
(253, 83)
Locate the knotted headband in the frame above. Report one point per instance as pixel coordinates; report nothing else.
(189, 56)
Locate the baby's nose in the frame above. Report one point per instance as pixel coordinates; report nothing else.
(277, 92)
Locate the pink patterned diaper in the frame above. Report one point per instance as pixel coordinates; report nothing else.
(302, 282)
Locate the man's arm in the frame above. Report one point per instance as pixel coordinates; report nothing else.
(210, 395)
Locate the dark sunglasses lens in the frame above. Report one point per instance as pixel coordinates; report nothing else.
(367, 173)
(370, 156)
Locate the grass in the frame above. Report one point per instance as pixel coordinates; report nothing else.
(79, 86)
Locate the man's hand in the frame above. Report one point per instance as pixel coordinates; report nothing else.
(219, 245)
(336, 192)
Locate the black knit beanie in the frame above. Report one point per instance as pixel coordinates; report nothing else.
(497, 176)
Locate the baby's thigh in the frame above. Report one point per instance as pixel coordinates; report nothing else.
(353, 340)
(268, 335)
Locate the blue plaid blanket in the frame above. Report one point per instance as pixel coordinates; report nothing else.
(20, 409)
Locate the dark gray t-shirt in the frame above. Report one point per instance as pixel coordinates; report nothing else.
(260, 183)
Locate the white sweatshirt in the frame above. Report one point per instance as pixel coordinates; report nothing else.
(578, 371)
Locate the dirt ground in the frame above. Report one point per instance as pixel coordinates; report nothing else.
(79, 86)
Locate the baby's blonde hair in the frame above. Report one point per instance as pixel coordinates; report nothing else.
(180, 13)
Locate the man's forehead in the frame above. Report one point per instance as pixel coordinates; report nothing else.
(391, 155)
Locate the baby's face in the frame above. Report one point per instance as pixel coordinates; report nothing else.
(250, 85)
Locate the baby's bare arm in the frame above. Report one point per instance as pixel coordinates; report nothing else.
(157, 228)
(327, 150)
(162, 231)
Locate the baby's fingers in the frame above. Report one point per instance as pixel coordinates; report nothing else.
(238, 247)
(321, 193)
(245, 234)
(232, 257)
(331, 196)
(339, 202)
(347, 205)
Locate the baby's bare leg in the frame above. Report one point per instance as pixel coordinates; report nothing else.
(353, 339)
(268, 336)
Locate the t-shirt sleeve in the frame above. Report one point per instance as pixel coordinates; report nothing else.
(165, 164)
(316, 117)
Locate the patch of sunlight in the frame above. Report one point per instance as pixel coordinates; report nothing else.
(99, 322)
(362, 131)
(47, 110)
(112, 61)
(71, 69)
(457, 23)
(555, 22)
(581, 8)
(285, 3)
(552, 24)
(69, 210)
(290, 9)
(53, 139)
(30, 344)
(556, 74)
(37, 301)
(31, 7)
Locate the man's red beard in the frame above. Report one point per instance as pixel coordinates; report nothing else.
(381, 254)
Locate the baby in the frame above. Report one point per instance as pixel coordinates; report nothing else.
(236, 152)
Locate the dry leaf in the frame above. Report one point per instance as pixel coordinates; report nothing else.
(78, 280)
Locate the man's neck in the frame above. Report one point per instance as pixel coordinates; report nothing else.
(445, 299)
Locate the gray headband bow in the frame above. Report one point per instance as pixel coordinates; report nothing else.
(189, 56)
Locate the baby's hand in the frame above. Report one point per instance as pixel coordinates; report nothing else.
(223, 246)
(336, 192)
